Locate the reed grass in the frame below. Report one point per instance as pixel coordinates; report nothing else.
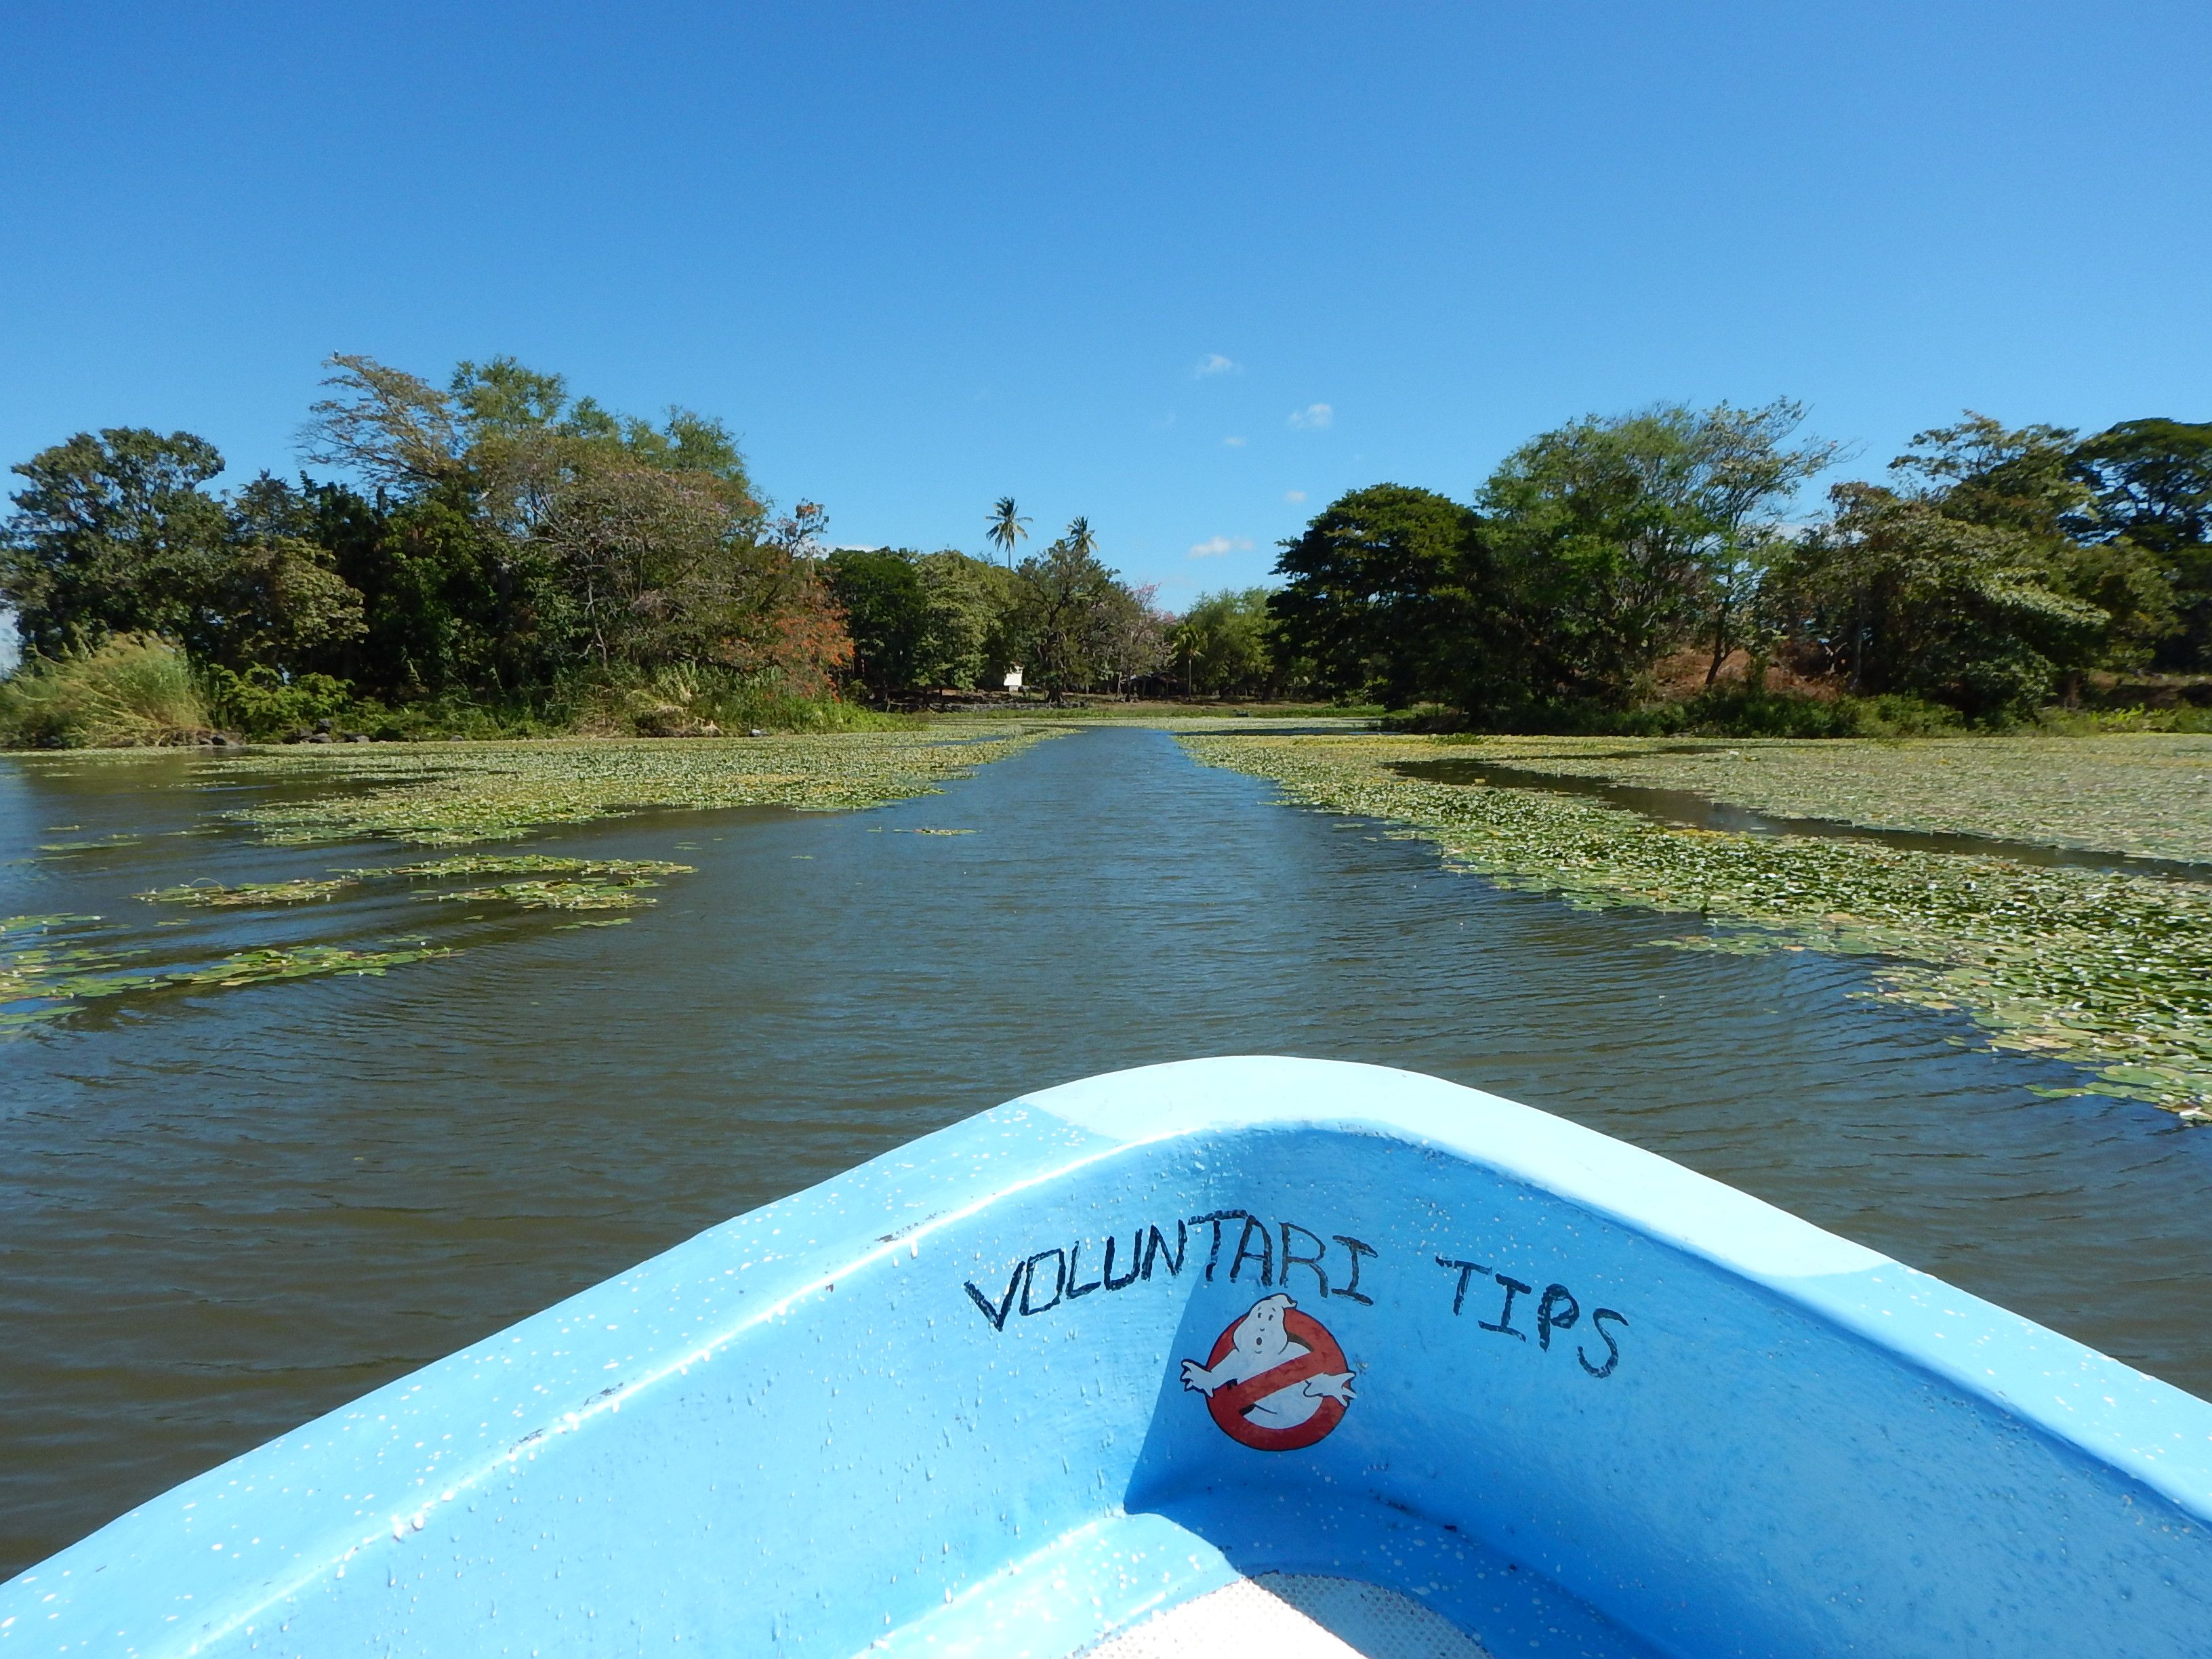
(135, 691)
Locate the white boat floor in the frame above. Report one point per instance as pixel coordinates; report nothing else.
(1232, 1571)
(1287, 1615)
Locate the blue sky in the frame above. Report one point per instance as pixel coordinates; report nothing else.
(1189, 270)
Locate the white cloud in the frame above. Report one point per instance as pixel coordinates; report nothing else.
(1294, 494)
(1314, 417)
(1214, 546)
(1214, 363)
(1234, 443)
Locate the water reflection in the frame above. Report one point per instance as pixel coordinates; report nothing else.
(225, 1213)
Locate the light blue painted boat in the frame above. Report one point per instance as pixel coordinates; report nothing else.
(1125, 1360)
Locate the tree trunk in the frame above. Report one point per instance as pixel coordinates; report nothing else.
(1720, 647)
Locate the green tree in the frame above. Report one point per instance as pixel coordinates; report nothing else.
(2025, 484)
(433, 606)
(528, 530)
(397, 433)
(1374, 595)
(2150, 485)
(1908, 598)
(970, 640)
(887, 611)
(278, 600)
(1007, 527)
(1961, 581)
(1223, 645)
(1612, 540)
(656, 569)
(1059, 613)
(112, 533)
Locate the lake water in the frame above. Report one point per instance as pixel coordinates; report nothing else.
(222, 1213)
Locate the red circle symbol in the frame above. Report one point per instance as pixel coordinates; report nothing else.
(1230, 1403)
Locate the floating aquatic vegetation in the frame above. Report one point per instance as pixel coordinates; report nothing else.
(38, 953)
(552, 874)
(531, 864)
(547, 883)
(450, 795)
(444, 794)
(555, 895)
(2147, 794)
(2110, 972)
(301, 891)
(101, 844)
(51, 965)
(260, 967)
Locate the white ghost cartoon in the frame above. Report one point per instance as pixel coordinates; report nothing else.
(1258, 1343)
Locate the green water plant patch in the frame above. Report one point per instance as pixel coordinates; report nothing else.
(215, 895)
(453, 794)
(2147, 794)
(2110, 972)
(554, 894)
(531, 864)
(546, 883)
(579, 883)
(53, 965)
(463, 793)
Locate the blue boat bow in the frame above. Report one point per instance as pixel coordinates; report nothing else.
(1115, 1348)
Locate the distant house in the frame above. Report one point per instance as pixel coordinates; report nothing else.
(1013, 679)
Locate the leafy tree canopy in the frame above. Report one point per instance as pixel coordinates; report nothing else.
(111, 533)
(1612, 537)
(1225, 645)
(1373, 591)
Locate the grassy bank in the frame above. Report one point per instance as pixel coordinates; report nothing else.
(2110, 972)
(140, 691)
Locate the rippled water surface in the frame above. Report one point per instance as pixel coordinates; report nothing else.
(221, 1212)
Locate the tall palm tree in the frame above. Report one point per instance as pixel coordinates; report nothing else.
(1007, 527)
(1080, 541)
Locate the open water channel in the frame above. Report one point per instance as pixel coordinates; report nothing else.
(224, 1211)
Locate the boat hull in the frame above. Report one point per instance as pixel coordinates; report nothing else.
(1112, 1346)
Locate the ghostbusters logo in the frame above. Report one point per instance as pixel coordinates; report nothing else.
(1276, 1380)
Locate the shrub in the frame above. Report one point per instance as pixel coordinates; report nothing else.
(264, 705)
(1726, 711)
(1751, 712)
(683, 702)
(135, 691)
(438, 720)
(2091, 722)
